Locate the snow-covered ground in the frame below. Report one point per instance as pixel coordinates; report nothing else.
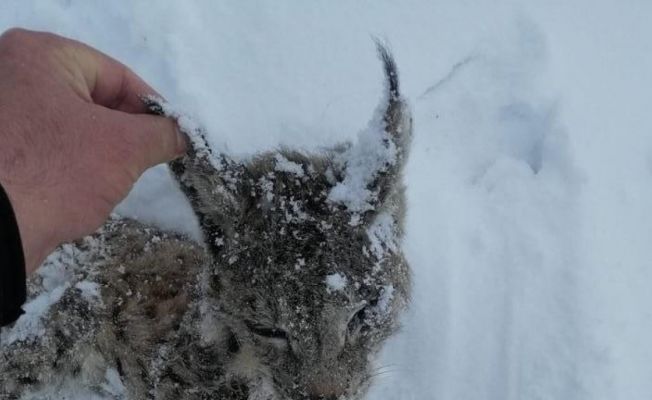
(529, 180)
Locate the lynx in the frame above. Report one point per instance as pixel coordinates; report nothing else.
(298, 282)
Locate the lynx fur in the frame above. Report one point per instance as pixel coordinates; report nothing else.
(299, 280)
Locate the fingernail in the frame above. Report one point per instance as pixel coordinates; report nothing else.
(182, 142)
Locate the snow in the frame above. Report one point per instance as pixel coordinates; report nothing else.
(187, 125)
(368, 156)
(529, 180)
(55, 276)
(285, 165)
(55, 280)
(335, 282)
(114, 385)
(381, 235)
(386, 296)
(90, 291)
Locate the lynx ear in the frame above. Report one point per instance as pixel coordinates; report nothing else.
(209, 181)
(397, 124)
(373, 166)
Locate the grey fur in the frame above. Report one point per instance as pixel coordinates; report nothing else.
(292, 295)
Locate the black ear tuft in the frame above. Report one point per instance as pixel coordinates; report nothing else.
(391, 71)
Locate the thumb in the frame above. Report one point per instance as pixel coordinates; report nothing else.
(156, 139)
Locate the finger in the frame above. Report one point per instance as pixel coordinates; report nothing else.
(108, 82)
(152, 139)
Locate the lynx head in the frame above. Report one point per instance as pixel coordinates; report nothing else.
(308, 276)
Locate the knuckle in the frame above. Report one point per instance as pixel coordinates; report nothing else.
(21, 46)
(25, 42)
(14, 42)
(16, 35)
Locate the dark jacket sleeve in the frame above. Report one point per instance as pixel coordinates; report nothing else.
(12, 264)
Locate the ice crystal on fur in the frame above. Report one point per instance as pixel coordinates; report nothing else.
(335, 282)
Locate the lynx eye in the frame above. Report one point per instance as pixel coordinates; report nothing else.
(266, 331)
(357, 322)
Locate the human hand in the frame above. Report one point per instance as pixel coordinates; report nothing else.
(74, 137)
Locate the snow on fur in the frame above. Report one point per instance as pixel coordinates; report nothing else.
(372, 154)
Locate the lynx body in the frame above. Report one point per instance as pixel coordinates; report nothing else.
(299, 280)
